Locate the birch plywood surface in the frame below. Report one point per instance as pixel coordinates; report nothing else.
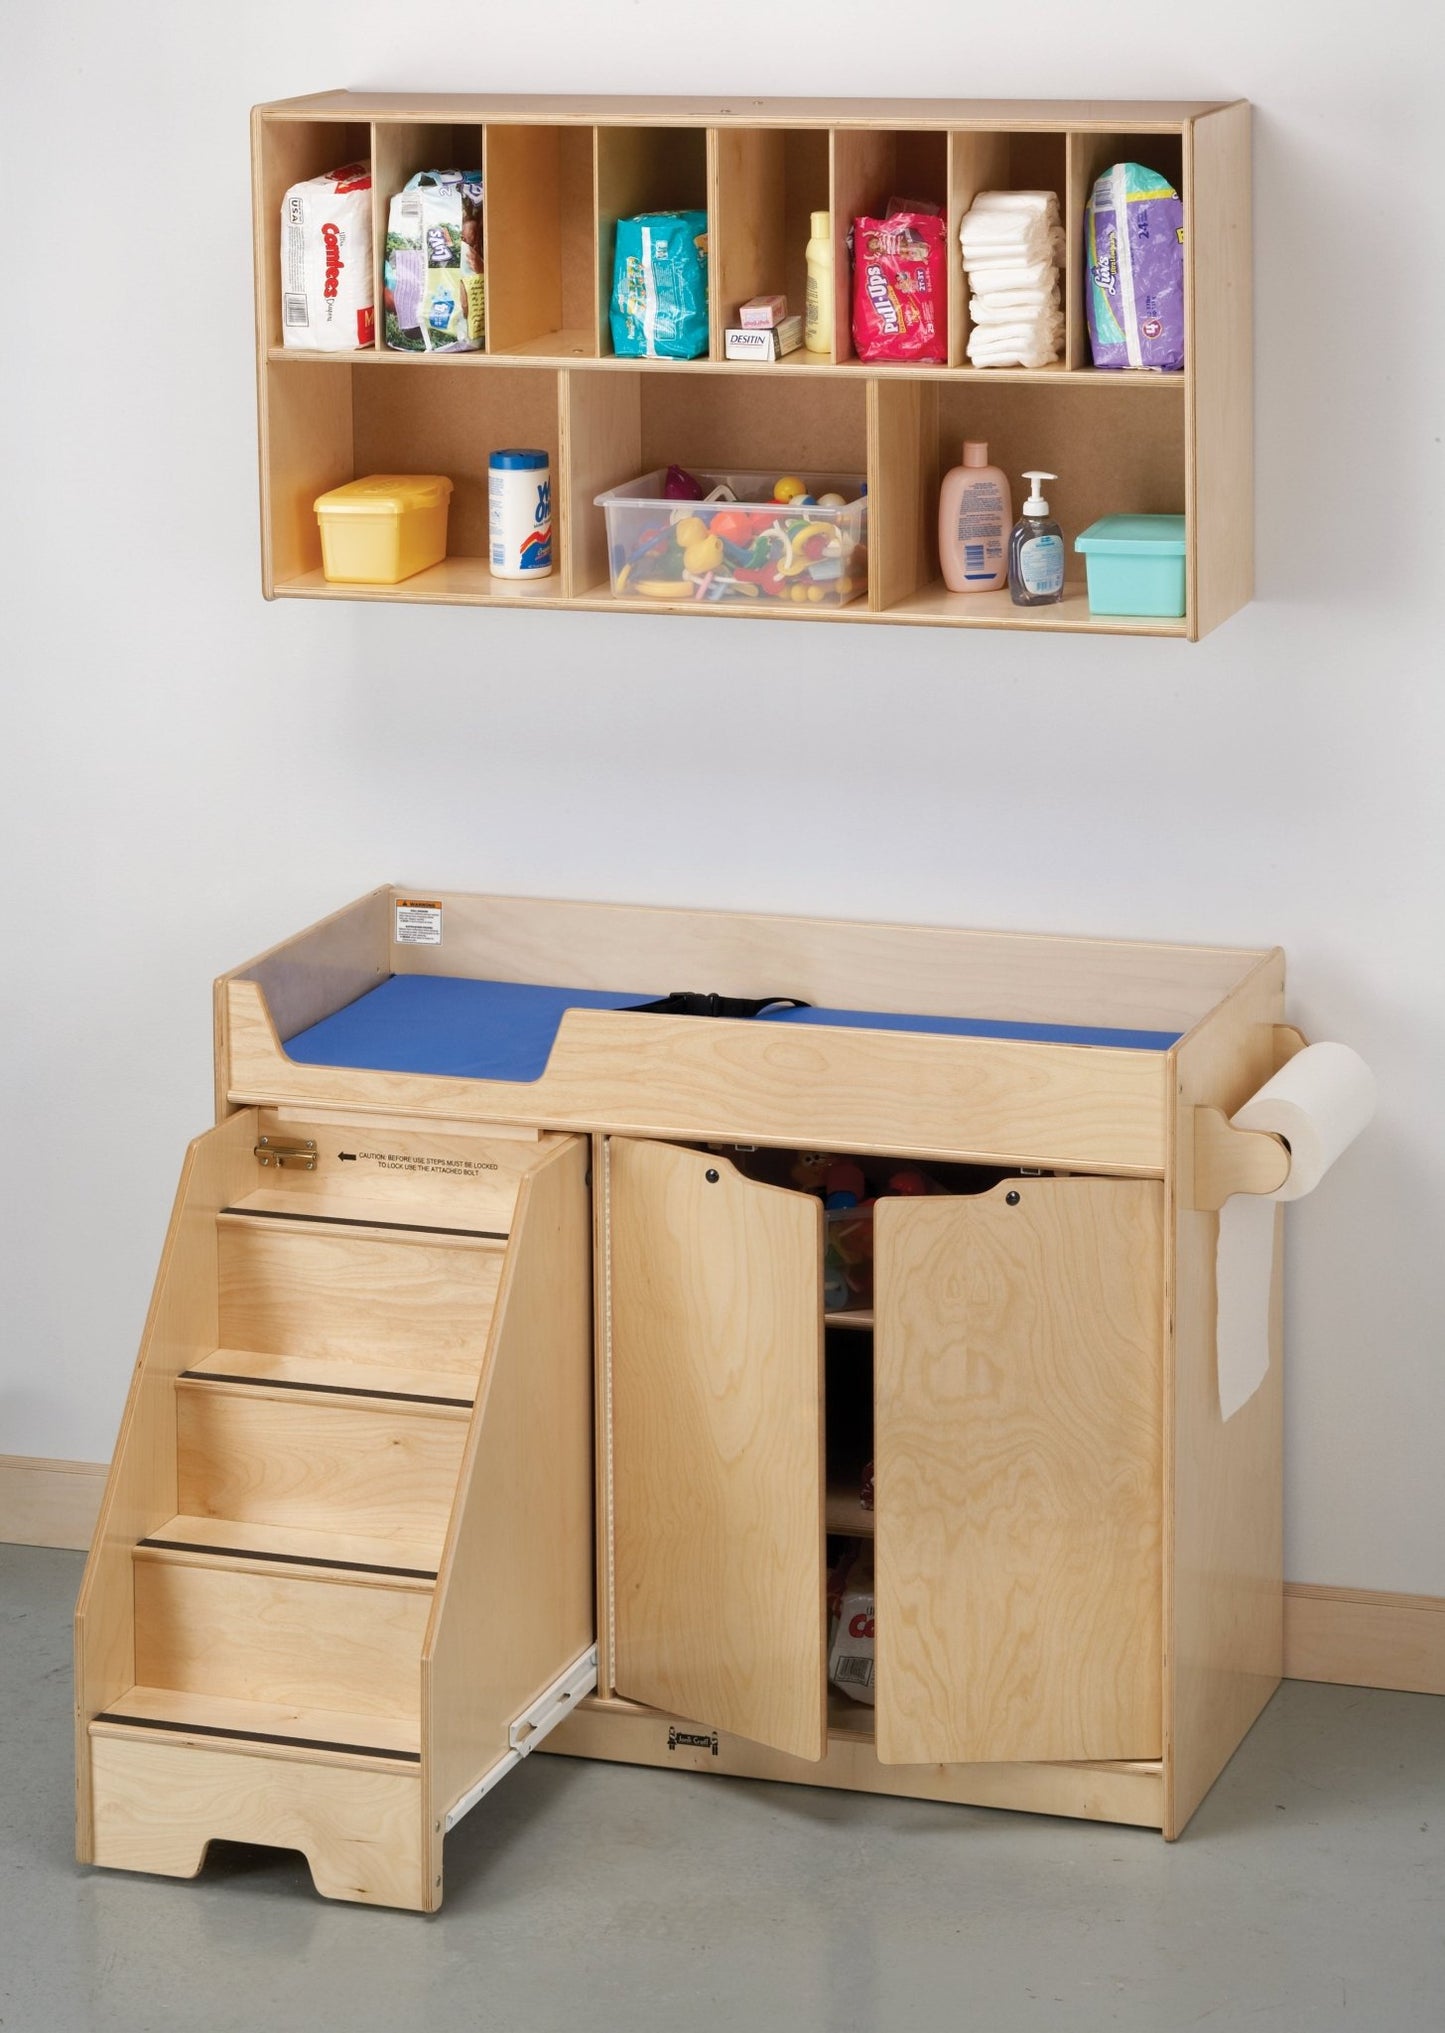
(1018, 1473)
(716, 1356)
(337, 1643)
(281, 1458)
(158, 1806)
(355, 1296)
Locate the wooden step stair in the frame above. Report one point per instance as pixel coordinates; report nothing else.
(325, 1517)
(338, 1376)
(207, 1718)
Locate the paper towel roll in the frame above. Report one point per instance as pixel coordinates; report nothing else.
(1318, 1102)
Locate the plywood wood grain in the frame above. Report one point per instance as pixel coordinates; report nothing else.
(716, 1339)
(1017, 1477)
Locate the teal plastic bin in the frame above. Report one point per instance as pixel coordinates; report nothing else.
(1135, 564)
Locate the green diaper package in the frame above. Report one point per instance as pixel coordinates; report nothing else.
(659, 286)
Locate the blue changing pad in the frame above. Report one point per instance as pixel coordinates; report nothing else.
(505, 1030)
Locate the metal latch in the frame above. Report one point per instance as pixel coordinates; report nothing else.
(298, 1153)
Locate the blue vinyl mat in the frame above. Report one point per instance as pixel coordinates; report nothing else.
(505, 1030)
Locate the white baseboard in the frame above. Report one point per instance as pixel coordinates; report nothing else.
(1355, 1637)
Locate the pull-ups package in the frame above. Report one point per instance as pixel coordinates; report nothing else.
(1134, 249)
(659, 286)
(434, 289)
(327, 301)
(851, 1655)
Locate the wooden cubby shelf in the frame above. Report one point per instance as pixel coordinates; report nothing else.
(560, 172)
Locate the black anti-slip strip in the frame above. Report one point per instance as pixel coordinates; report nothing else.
(353, 1221)
(216, 1376)
(290, 1559)
(258, 1736)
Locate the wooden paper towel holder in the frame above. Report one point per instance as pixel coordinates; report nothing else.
(1229, 1160)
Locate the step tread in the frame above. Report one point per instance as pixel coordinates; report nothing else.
(175, 1713)
(338, 1376)
(295, 1547)
(381, 1220)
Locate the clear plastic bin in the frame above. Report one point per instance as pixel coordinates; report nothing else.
(751, 548)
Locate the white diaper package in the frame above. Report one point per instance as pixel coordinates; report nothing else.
(1013, 242)
(328, 302)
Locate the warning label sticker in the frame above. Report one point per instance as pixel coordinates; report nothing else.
(418, 923)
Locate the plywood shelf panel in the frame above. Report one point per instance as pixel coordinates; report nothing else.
(455, 582)
(554, 350)
(936, 606)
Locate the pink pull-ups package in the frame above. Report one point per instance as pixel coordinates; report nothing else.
(900, 286)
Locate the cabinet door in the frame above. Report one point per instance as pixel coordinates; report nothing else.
(717, 1470)
(1018, 1476)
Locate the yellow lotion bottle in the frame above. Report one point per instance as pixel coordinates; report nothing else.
(818, 314)
(975, 515)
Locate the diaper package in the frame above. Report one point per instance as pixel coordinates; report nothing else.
(659, 286)
(900, 286)
(434, 289)
(327, 301)
(851, 1651)
(1134, 249)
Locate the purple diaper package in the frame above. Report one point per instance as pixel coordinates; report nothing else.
(1134, 247)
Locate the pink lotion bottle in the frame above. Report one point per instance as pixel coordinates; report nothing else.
(975, 515)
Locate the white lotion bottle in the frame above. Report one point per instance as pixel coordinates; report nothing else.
(818, 308)
(974, 514)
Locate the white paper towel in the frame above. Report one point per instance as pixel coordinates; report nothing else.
(1318, 1102)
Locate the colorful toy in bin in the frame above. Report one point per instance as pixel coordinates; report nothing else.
(797, 539)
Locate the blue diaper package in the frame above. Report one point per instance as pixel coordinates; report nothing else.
(659, 286)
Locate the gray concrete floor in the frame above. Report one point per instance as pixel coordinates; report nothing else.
(1308, 1894)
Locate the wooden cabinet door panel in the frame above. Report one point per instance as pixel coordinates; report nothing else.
(717, 1472)
(1018, 1476)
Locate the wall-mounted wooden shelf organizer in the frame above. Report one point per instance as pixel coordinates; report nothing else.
(560, 173)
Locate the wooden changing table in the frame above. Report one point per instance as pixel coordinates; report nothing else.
(474, 1409)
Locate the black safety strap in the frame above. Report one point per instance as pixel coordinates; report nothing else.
(684, 1003)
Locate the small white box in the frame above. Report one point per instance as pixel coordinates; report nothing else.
(751, 342)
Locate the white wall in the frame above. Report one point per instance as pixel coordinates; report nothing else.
(192, 773)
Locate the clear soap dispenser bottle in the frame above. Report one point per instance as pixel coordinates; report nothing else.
(1036, 551)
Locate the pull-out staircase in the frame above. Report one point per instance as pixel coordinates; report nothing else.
(342, 1579)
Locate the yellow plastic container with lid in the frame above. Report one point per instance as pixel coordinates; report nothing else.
(383, 528)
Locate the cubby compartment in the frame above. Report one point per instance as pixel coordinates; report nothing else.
(399, 150)
(770, 181)
(541, 241)
(645, 169)
(285, 153)
(329, 423)
(870, 166)
(1116, 449)
(1090, 153)
(622, 425)
(986, 160)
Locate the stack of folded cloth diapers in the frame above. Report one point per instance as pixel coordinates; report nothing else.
(1013, 242)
